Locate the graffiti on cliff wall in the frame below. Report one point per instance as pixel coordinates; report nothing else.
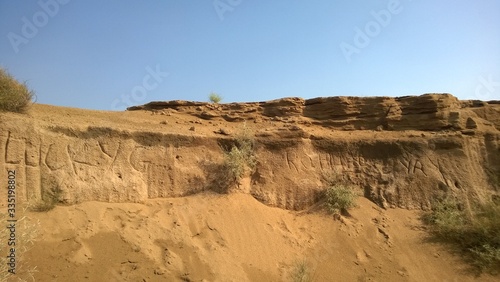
(96, 169)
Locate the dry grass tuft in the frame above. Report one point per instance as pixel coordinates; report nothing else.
(301, 272)
(14, 96)
(26, 232)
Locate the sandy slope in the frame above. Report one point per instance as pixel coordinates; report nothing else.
(211, 237)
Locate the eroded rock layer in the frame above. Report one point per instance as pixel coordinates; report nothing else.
(400, 152)
(428, 112)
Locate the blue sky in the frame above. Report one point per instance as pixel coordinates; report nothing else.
(109, 55)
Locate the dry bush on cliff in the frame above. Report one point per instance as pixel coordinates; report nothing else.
(340, 198)
(240, 158)
(234, 162)
(14, 96)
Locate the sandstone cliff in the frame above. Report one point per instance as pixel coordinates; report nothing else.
(398, 151)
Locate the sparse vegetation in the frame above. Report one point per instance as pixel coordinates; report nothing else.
(234, 162)
(474, 233)
(340, 198)
(300, 272)
(14, 96)
(214, 97)
(241, 156)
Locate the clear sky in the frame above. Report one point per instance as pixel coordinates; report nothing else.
(113, 54)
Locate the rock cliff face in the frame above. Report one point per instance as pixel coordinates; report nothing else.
(400, 152)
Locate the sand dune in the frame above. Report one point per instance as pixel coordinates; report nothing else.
(212, 237)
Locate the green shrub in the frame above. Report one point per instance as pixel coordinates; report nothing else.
(14, 96)
(448, 216)
(234, 162)
(340, 198)
(241, 157)
(214, 97)
(477, 236)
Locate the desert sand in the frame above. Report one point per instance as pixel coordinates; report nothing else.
(212, 237)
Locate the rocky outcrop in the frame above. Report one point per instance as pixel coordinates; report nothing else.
(400, 152)
(428, 112)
